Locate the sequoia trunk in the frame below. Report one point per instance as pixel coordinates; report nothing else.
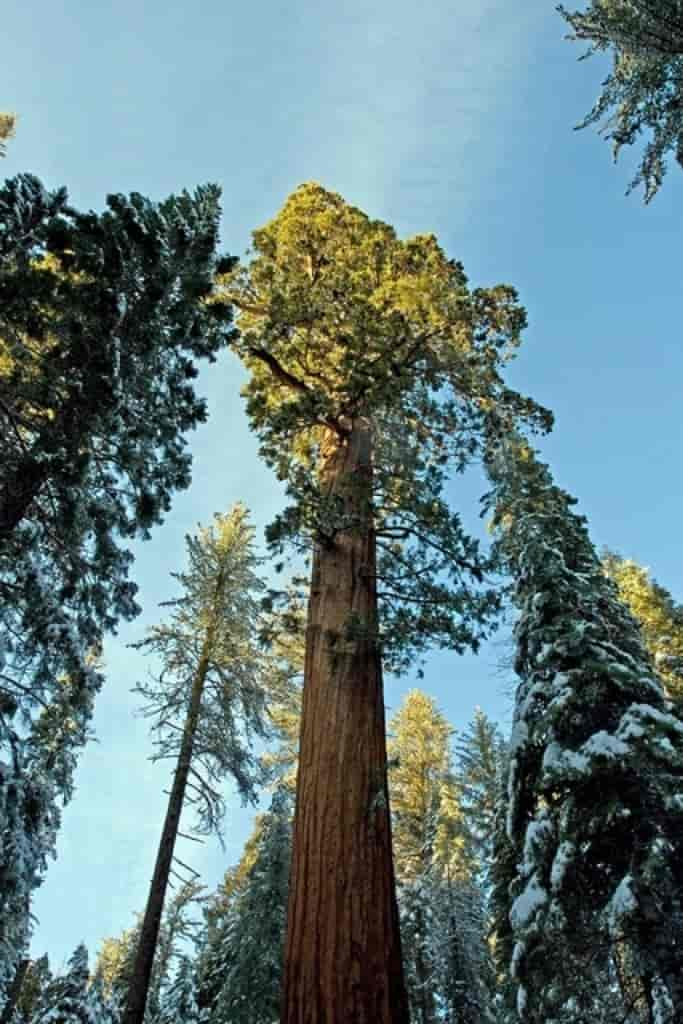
(343, 952)
(149, 933)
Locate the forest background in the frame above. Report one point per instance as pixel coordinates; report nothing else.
(432, 119)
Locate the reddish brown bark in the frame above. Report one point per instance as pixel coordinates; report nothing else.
(343, 952)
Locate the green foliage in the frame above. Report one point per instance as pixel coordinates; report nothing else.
(101, 320)
(480, 766)
(214, 629)
(7, 126)
(36, 980)
(241, 963)
(594, 814)
(447, 969)
(643, 94)
(341, 323)
(29, 819)
(65, 1000)
(659, 616)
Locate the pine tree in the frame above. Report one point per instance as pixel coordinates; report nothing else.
(101, 320)
(372, 365)
(644, 92)
(177, 927)
(442, 925)
(481, 751)
(596, 761)
(7, 126)
(179, 1005)
(242, 963)
(660, 619)
(206, 703)
(28, 825)
(114, 964)
(35, 982)
(65, 1000)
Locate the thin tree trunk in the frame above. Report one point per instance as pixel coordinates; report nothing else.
(14, 991)
(343, 953)
(149, 933)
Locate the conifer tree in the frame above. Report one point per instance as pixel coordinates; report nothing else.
(28, 825)
(643, 94)
(481, 751)
(114, 964)
(372, 367)
(179, 1005)
(206, 703)
(441, 909)
(102, 319)
(65, 1000)
(596, 763)
(33, 987)
(242, 963)
(7, 125)
(659, 616)
(177, 927)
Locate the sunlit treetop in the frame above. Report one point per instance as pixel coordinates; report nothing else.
(342, 322)
(660, 618)
(340, 318)
(7, 126)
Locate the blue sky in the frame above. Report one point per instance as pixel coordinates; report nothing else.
(433, 119)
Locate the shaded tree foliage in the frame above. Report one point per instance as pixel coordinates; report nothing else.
(102, 319)
(594, 816)
(643, 94)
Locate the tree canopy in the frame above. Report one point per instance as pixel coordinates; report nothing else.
(340, 319)
(643, 94)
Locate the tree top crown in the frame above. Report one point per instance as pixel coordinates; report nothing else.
(339, 317)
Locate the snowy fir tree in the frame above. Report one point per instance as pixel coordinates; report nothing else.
(241, 962)
(481, 762)
(206, 704)
(178, 927)
(28, 823)
(102, 320)
(643, 94)
(179, 1005)
(372, 363)
(595, 813)
(65, 1000)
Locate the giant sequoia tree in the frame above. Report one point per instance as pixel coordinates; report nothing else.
(373, 368)
(594, 883)
(643, 94)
